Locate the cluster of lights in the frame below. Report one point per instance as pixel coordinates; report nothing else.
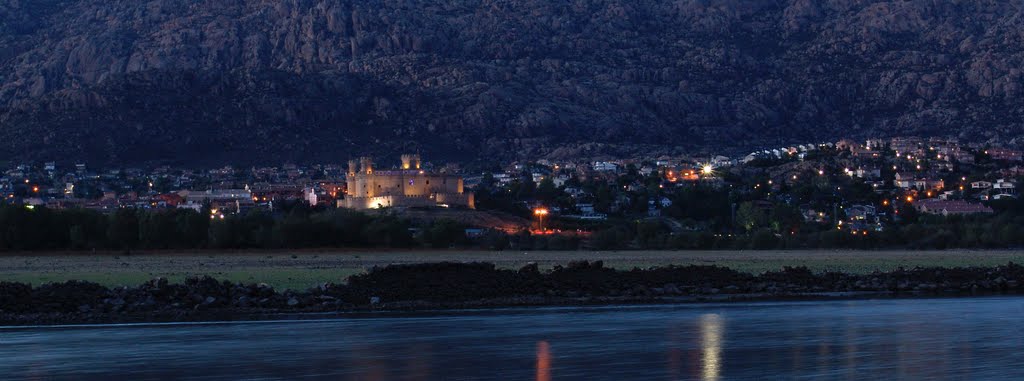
(215, 215)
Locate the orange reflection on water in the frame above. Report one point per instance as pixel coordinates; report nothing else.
(543, 361)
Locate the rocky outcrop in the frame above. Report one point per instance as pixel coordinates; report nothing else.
(459, 285)
(306, 79)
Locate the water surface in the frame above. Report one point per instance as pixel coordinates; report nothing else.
(912, 339)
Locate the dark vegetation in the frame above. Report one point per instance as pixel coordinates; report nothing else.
(23, 229)
(461, 285)
(297, 227)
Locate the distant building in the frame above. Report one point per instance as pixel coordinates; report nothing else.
(409, 186)
(221, 200)
(963, 157)
(865, 153)
(907, 182)
(310, 195)
(905, 145)
(560, 180)
(1001, 189)
(950, 207)
(981, 184)
(605, 166)
(812, 215)
(1005, 154)
(869, 173)
(862, 213)
(846, 144)
(1005, 186)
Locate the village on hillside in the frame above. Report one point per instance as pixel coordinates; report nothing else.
(854, 187)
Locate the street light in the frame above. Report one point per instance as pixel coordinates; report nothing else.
(540, 213)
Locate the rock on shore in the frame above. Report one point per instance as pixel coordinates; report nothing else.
(458, 285)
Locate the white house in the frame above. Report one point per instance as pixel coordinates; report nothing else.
(1004, 185)
(981, 185)
(605, 166)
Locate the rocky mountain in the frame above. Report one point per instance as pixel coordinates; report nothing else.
(319, 80)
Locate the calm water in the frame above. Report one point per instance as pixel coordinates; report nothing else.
(934, 339)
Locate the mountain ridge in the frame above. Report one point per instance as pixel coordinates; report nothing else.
(316, 80)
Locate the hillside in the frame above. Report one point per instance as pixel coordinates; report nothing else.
(193, 81)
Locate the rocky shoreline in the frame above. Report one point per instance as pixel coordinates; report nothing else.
(438, 286)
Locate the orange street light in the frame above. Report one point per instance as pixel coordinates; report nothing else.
(540, 213)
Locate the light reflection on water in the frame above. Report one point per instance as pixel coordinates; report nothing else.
(543, 361)
(956, 339)
(711, 345)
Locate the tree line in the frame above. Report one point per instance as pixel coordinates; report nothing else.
(24, 229)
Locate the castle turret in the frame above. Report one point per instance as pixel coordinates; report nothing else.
(366, 165)
(407, 161)
(353, 167)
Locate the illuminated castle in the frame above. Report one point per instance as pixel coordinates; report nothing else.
(409, 186)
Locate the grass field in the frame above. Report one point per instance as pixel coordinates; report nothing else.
(302, 269)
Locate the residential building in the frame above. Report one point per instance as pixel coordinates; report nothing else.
(950, 207)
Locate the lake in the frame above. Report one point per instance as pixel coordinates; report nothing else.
(887, 339)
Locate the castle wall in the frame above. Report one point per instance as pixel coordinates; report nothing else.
(374, 189)
(407, 183)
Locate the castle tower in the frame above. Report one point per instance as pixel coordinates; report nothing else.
(407, 161)
(353, 167)
(416, 161)
(366, 164)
